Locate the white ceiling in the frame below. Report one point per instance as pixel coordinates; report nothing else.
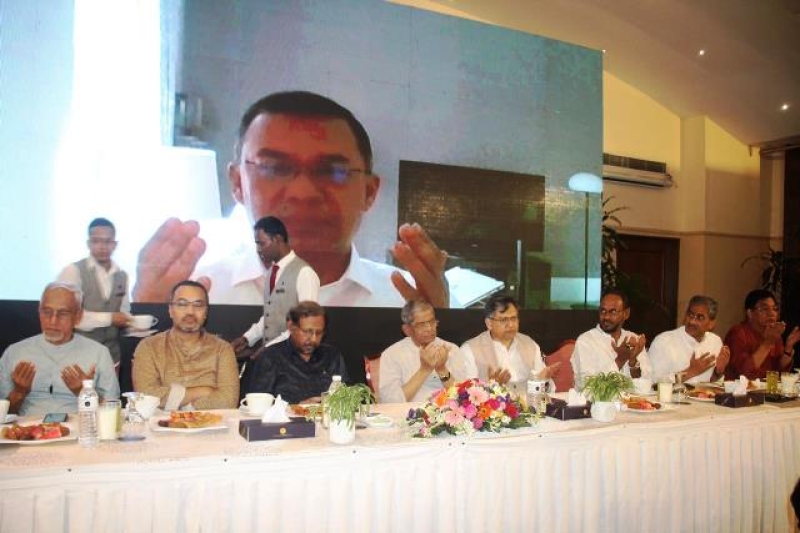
(751, 65)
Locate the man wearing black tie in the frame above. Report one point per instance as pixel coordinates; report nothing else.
(287, 280)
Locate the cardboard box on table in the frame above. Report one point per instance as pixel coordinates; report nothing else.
(254, 430)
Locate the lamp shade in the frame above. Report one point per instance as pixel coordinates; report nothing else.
(586, 182)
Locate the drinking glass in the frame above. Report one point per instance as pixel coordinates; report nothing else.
(772, 381)
(133, 423)
(680, 388)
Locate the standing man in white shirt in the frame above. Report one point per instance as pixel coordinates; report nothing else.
(608, 347)
(104, 286)
(290, 280)
(693, 348)
(502, 353)
(421, 363)
(308, 160)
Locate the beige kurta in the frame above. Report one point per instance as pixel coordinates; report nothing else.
(160, 361)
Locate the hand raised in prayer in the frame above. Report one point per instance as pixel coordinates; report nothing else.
(418, 254)
(723, 358)
(773, 332)
(550, 370)
(169, 256)
(500, 375)
(73, 376)
(23, 375)
(699, 364)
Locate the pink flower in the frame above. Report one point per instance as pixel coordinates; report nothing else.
(453, 418)
(477, 395)
(477, 423)
(470, 411)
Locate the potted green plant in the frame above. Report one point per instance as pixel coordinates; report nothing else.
(342, 407)
(603, 389)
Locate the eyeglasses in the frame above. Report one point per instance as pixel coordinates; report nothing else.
(311, 333)
(699, 317)
(61, 314)
(185, 304)
(425, 325)
(611, 313)
(336, 173)
(506, 320)
(764, 309)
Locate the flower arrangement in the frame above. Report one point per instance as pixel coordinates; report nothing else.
(467, 407)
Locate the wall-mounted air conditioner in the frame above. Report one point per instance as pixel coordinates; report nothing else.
(633, 171)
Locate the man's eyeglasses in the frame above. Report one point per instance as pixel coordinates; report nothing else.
(425, 325)
(334, 173)
(611, 313)
(505, 320)
(692, 316)
(186, 304)
(764, 309)
(61, 314)
(311, 333)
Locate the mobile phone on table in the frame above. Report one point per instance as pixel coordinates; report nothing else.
(52, 418)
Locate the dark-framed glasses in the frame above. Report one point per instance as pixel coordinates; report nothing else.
(334, 172)
(186, 304)
(60, 314)
(505, 320)
(611, 313)
(428, 324)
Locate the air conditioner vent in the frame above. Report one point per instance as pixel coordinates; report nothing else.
(630, 170)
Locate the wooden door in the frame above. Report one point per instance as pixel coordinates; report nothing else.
(651, 282)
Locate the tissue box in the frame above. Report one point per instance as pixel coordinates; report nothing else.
(559, 409)
(254, 430)
(729, 400)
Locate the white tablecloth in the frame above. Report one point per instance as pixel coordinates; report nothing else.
(700, 468)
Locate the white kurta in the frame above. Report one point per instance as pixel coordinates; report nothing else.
(672, 350)
(594, 354)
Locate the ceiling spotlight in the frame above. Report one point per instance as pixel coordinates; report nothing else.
(702, 52)
(785, 107)
(603, 50)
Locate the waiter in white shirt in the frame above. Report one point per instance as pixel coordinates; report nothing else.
(608, 347)
(104, 285)
(288, 281)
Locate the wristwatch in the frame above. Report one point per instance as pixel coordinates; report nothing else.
(445, 378)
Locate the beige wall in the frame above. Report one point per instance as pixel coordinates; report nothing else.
(725, 205)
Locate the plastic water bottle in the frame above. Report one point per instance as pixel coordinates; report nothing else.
(336, 382)
(87, 415)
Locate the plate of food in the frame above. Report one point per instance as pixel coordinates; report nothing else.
(9, 419)
(188, 422)
(637, 404)
(33, 434)
(702, 395)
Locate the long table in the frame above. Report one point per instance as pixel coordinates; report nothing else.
(697, 468)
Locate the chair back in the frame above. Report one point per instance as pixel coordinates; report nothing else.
(565, 379)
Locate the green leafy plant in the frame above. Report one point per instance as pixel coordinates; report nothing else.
(772, 273)
(611, 241)
(606, 386)
(345, 402)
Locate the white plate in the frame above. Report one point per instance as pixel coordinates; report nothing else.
(246, 412)
(73, 435)
(140, 333)
(155, 427)
(700, 399)
(9, 419)
(664, 407)
(643, 394)
(379, 421)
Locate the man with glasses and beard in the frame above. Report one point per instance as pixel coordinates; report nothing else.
(756, 343)
(300, 368)
(608, 347)
(185, 366)
(692, 349)
(421, 363)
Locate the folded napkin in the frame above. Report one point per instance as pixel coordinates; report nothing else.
(741, 386)
(276, 413)
(575, 398)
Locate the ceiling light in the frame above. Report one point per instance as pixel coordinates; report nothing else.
(702, 52)
(785, 107)
(603, 50)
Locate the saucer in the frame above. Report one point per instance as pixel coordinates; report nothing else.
(245, 411)
(140, 333)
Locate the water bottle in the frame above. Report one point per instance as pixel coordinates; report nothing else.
(87, 415)
(537, 393)
(336, 382)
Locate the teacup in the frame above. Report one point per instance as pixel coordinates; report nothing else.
(730, 386)
(4, 405)
(142, 322)
(256, 403)
(643, 385)
(788, 383)
(147, 405)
